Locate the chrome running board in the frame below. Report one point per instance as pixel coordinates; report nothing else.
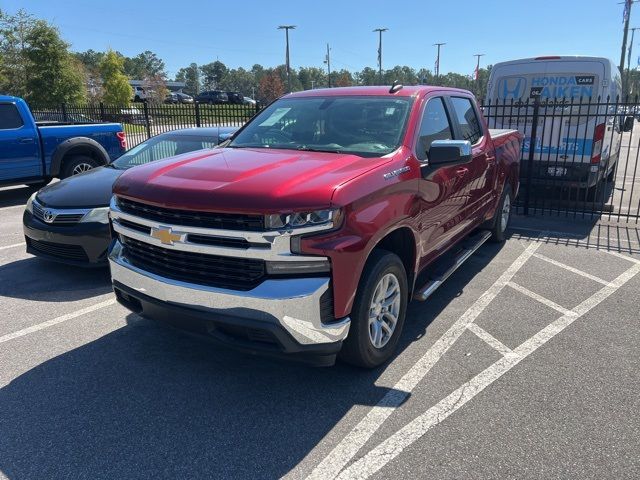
(432, 285)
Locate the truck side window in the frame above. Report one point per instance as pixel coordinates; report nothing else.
(9, 117)
(467, 118)
(434, 126)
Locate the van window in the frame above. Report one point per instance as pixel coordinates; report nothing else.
(9, 117)
(467, 118)
(433, 126)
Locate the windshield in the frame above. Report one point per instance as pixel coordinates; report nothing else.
(365, 126)
(160, 147)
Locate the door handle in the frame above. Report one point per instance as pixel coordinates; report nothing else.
(25, 140)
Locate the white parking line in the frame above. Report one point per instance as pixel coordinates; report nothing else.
(389, 449)
(57, 320)
(13, 246)
(571, 269)
(11, 207)
(342, 453)
(490, 339)
(539, 298)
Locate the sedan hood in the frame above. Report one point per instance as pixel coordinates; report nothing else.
(90, 189)
(243, 180)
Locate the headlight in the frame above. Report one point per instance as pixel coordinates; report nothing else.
(331, 217)
(29, 206)
(97, 215)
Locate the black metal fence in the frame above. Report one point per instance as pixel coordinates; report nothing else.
(144, 120)
(579, 157)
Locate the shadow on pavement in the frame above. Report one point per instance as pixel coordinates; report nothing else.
(40, 280)
(10, 197)
(577, 232)
(148, 401)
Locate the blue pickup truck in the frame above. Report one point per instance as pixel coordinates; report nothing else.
(34, 153)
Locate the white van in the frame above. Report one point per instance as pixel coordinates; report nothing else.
(579, 126)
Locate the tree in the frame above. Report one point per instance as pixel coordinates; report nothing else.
(37, 62)
(214, 75)
(115, 83)
(156, 88)
(144, 65)
(342, 78)
(13, 42)
(53, 75)
(191, 77)
(270, 87)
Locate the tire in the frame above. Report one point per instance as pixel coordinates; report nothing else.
(76, 165)
(359, 347)
(500, 224)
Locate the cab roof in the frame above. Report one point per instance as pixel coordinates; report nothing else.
(383, 91)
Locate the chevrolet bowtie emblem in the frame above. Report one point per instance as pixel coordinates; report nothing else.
(166, 235)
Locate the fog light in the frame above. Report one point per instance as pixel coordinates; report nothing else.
(287, 268)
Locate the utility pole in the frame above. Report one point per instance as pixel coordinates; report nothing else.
(626, 16)
(438, 59)
(286, 29)
(313, 82)
(478, 55)
(629, 84)
(380, 30)
(327, 60)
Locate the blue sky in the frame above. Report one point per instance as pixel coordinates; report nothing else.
(243, 32)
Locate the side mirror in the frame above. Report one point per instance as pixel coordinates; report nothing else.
(448, 152)
(628, 124)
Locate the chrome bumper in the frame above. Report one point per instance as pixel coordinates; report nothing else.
(293, 304)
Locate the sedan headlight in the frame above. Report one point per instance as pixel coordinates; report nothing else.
(316, 218)
(97, 215)
(29, 206)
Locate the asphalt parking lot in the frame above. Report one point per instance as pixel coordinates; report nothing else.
(523, 365)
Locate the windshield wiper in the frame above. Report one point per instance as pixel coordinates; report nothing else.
(307, 148)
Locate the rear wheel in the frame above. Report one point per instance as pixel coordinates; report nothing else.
(502, 217)
(378, 312)
(76, 165)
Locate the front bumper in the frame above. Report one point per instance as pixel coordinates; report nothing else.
(279, 316)
(82, 244)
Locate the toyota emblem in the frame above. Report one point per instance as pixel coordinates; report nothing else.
(48, 216)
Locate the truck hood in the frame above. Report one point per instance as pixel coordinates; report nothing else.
(244, 180)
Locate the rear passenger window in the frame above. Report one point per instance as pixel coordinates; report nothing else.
(9, 116)
(467, 118)
(434, 126)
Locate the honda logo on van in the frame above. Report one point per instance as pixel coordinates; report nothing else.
(513, 87)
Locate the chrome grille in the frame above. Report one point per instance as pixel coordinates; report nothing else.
(54, 216)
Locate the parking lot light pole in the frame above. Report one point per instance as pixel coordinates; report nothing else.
(286, 29)
(380, 30)
(477, 72)
(328, 62)
(438, 59)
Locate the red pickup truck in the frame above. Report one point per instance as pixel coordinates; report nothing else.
(311, 229)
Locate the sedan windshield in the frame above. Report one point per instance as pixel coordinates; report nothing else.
(361, 125)
(162, 146)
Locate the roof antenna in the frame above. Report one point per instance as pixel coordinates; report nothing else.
(396, 87)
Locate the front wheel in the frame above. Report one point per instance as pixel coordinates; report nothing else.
(378, 312)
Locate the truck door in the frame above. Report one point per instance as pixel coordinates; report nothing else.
(19, 147)
(482, 172)
(442, 188)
